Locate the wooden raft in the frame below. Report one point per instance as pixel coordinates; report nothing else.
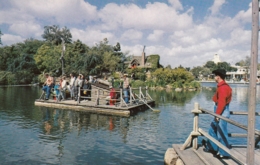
(90, 106)
(192, 156)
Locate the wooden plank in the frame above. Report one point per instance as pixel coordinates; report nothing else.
(243, 152)
(235, 155)
(188, 156)
(213, 160)
(191, 156)
(242, 113)
(252, 83)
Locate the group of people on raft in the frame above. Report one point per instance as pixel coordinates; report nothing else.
(61, 85)
(81, 83)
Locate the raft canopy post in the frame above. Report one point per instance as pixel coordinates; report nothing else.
(140, 92)
(121, 97)
(97, 100)
(78, 99)
(130, 94)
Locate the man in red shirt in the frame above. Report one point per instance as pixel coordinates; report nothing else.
(218, 127)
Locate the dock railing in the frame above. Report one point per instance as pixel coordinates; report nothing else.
(192, 140)
(136, 96)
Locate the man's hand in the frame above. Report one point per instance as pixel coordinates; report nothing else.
(217, 119)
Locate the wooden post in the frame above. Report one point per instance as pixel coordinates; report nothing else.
(146, 88)
(252, 84)
(196, 112)
(97, 101)
(130, 94)
(121, 97)
(78, 95)
(140, 92)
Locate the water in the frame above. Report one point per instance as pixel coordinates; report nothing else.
(40, 135)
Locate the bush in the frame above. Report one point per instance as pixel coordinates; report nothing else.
(138, 83)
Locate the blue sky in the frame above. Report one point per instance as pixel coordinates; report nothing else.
(182, 32)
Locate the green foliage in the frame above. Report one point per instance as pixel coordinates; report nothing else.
(211, 65)
(177, 84)
(47, 58)
(176, 76)
(138, 83)
(0, 37)
(56, 35)
(154, 60)
(245, 62)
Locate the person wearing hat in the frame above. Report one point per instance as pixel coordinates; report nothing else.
(126, 88)
(218, 127)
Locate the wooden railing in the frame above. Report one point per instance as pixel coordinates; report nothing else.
(192, 140)
(136, 96)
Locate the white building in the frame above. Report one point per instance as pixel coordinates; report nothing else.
(216, 59)
(242, 73)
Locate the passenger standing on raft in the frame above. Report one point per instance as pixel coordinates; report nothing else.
(218, 127)
(126, 88)
(47, 86)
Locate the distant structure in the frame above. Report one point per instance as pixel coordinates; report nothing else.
(216, 59)
(139, 61)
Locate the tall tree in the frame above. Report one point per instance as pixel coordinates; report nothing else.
(55, 35)
(0, 37)
(211, 65)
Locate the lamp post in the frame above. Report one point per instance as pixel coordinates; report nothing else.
(62, 56)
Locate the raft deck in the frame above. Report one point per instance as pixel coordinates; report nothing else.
(89, 106)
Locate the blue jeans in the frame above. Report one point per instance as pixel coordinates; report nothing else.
(47, 90)
(218, 130)
(126, 95)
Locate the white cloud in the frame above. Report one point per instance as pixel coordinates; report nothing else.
(56, 12)
(176, 4)
(9, 39)
(91, 36)
(26, 30)
(156, 35)
(132, 35)
(153, 16)
(216, 6)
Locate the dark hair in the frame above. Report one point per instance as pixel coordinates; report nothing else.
(221, 76)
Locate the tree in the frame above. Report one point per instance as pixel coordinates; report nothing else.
(211, 65)
(0, 37)
(55, 35)
(245, 62)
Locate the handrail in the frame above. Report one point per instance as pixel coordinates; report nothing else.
(229, 121)
(131, 96)
(193, 137)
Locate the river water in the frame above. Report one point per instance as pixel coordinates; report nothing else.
(38, 135)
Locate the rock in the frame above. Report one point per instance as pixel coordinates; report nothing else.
(179, 162)
(170, 157)
(178, 89)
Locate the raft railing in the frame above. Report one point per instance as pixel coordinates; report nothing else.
(101, 94)
(192, 140)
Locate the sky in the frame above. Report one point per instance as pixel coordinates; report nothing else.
(182, 32)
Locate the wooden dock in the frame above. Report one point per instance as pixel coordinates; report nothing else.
(191, 156)
(191, 152)
(90, 106)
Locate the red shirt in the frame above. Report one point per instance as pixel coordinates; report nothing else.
(222, 96)
(112, 93)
